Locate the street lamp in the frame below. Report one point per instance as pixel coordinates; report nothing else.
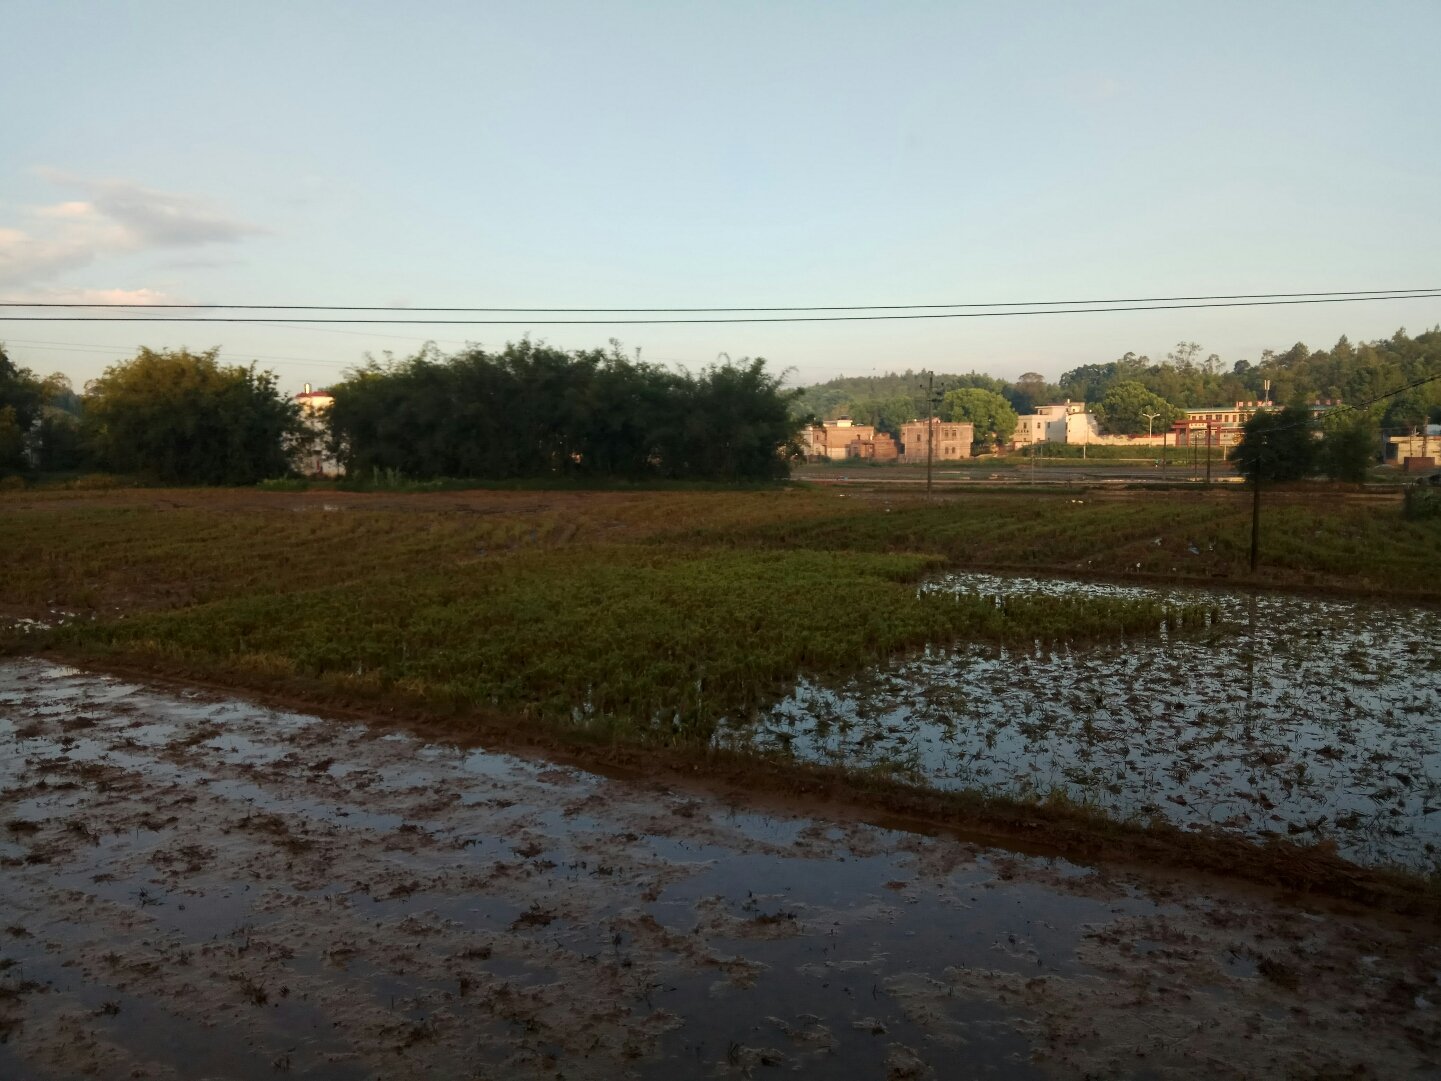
(1150, 419)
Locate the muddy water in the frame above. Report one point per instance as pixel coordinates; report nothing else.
(193, 886)
(1300, 717)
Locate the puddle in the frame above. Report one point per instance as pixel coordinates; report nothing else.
(196, 886)
(1305, 718)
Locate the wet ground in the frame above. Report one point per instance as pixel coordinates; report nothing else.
(1303, 717)
(197, 887)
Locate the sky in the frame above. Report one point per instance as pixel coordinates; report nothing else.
(675, 154)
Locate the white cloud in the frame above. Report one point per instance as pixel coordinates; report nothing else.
(67, 211)
(93, 296)
(117, 218)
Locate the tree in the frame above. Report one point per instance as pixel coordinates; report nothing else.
(1088, 382)
(1348, 445)
(183, 418)
(992, 415)
(20, 391)
(58, 442)
(12, 440)
(1276, 446)
(536, 411)
(1032, 384)
(1123, 410)
(1030, 391)
(20, 400)
(887, 414)
(735, 423)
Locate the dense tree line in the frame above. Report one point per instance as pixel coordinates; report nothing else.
(1351, 373)
(171, 416)
(1123, 390)
(21, 400)
(535, 411)
(185, 418)
(1289, 444)
(890, 400)
(529, 411)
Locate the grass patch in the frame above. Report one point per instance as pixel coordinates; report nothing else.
(1361, 545)
(626, 640)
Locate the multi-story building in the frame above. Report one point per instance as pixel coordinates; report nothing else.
(312, 457)
(832, 440)
(839, 439)
(1223, 426)
(949, 440)
(1070, 422)
(879, 448)
(1216, 425)
(1053, 424)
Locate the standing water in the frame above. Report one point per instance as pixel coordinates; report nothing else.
(1298, 717)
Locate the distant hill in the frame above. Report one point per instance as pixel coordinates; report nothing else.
(1187, 378)
(890, 399)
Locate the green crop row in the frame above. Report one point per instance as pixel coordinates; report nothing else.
(626, 639)
(1365, 546)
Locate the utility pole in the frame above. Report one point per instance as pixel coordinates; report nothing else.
(1256, 507)
(930, 428)
(1208, 453)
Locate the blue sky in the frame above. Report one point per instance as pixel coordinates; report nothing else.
(678, 154)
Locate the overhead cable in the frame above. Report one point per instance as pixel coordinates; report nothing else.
(352, 320)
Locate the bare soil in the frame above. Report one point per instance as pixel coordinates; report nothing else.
(196, 886)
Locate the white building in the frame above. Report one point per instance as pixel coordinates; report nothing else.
(1064, 422)
(313, 458)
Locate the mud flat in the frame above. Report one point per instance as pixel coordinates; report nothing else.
(1305, 718)
(195, 886)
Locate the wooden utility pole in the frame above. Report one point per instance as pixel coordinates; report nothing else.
(930, 428)
(1255, 515)
(1258, 464)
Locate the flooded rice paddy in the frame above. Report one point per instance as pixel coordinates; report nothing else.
(1299, 717)
(196, 886)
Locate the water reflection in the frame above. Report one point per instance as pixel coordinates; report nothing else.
(1311, 718)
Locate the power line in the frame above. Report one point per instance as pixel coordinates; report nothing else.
(78, 347)
(1366, 403)
(1305, 422)
(1378, 294)
(1332, 299)
(91, 347)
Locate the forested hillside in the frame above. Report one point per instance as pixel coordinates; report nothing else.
(1186, 378)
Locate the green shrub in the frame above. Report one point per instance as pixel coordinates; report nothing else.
(1422, 503)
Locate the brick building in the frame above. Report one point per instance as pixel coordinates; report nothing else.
(952, 440)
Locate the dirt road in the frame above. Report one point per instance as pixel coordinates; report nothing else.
(198, 887)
